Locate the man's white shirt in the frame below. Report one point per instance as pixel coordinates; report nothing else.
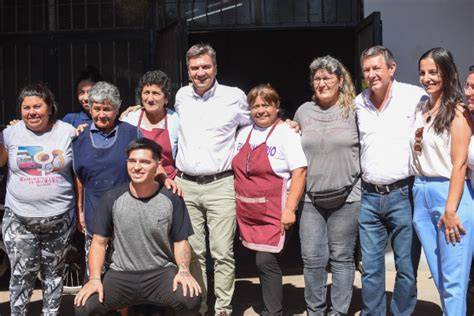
(208, 127)
(385, 135)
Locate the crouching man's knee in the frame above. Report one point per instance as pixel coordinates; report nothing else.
(92, 308)
(192, 303)
(186, 303)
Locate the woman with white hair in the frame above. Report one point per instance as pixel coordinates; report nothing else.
(100, 161)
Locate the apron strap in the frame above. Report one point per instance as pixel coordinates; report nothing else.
(140, 118)
(269, 133)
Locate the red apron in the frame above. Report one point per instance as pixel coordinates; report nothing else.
(260, 198)
(162, 137)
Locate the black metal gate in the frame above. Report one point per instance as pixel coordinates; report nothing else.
(53, 40)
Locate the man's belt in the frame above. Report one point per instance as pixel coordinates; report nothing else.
(204, 179)
(387, 188)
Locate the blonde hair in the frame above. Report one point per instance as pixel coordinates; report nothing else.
(346, 90)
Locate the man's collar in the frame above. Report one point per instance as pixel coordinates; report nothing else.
(208, 94)
(368, 94)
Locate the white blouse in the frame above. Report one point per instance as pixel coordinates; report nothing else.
(435, 157)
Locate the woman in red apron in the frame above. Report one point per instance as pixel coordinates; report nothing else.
(154, 119)
(270, 171)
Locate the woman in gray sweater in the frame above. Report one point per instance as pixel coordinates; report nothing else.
(328, 225)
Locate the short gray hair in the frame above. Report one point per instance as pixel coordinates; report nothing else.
(103, 91)
(377, 50)
(199, 50)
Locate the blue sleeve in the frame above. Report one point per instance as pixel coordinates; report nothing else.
(103, 217)
(69, 118)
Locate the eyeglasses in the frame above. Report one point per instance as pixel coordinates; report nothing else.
(468, 88)
(327, 80)
(418, 146)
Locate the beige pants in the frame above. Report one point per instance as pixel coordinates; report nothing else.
(213, 204)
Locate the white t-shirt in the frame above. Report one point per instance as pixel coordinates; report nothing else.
(40, 180)
(173, 125)
(284, 149)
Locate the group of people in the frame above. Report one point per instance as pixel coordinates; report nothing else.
(391, 161)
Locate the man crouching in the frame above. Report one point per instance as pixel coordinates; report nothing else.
(149, 226)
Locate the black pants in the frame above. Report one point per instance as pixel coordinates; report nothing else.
(123, 289)
(270, 275)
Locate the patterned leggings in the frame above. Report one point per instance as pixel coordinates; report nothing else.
(36, 244)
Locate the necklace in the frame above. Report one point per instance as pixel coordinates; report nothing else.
(430, 113)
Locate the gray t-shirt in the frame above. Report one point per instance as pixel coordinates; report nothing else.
(40, 180)
(331, 146)
(143, 230)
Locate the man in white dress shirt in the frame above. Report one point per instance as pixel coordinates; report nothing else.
(210, 115)
(385, 113)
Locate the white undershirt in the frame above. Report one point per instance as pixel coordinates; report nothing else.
(284, 149)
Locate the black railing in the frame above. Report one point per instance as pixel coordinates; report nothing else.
(29, 16)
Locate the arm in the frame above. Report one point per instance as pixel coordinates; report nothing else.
(162, 178)
(3, 155)
(298, 179)
(460, 138)
(79, 189)
(128, 110)
(182, 254)
(96, 263)
(293, 125)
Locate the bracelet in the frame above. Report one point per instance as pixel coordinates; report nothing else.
(94, 279)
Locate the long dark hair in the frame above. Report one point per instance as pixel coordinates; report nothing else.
(451, 95)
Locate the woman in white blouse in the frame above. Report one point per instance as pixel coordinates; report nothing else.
(444, 209)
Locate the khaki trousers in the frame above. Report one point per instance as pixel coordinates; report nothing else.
(213, 204)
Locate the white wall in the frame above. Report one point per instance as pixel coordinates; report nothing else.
(411, 27)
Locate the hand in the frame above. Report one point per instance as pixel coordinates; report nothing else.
(128, 110)
(288, 219)
(81, 222)
(171, 185)
(91, 287)
(187, 282)
(452, 227)
(13, 122)
(293, 125)
(80, 128)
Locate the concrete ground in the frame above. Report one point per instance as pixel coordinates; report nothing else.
(247, 295)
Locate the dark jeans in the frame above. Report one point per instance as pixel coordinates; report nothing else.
(328, 236)
(382, 215)
(123, 289)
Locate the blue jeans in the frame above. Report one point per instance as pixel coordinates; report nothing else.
(449, 264)
(382, 215)
(328, 236)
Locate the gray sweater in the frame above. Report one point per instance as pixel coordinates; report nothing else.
(331, 146)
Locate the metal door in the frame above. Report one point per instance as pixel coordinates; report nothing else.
(171, 45)
(368, 33)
